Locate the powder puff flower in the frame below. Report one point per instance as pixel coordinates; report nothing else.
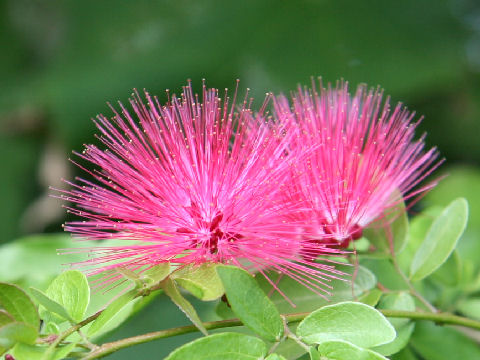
(366, 159)
(192, 181)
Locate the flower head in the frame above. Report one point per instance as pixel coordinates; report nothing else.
(366, 159)
(195, 180)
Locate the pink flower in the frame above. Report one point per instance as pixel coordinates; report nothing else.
(190, 182)
(366, 158)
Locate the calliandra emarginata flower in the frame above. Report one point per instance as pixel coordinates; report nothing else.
(366, 161)
(190, 182)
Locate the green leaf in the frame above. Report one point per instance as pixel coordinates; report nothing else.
(357, 323)
(275, 357)
(52, 328)
(441, 239)
(417, 231)
(231, 346)
(343, 350)
(392, 226)
(172, 291)
(470, 307)
(404, 333)
(156, 273)
(405, 354)
(371, 297)
(306, 300)
(28, 352)
(462, 181)
(50, 305)
(202, 281)
(127, 273)
(19, 305)
(39, 258)
(111, 311)
(70, 289)
(397, 301)
(434, 342)
(314, 354)
(250, 303)
(403, 327)
(450, 273)
(5, 318)
(63, 351)
(32, 352)
(14, 332)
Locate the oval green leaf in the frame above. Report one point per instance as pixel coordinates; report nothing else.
(16, 332)
(156, 273)
(357, 323)
(5, 318)
(250, 303)
(18, 304)
(343, 350)
(403, 337)
(202, 281)
(275, 357)
(441, 239)
(70, 289)
(110, 311)
(50, 305)
(231, 346)
(172, 291)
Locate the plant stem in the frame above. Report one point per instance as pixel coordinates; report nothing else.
(108, 348)
(438, 317)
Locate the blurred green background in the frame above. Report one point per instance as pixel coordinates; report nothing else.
(61, 61)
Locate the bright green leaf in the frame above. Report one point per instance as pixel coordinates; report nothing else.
(404, 333)
(440, 240)
(450, 273)
(156, 273)
(393, 226)
(39, 258)
(127, 273)
(18, 304)
(314, 354)
(290, 348)
(5, 318)
(50, 305)
(202, 281)
(70, 289)
(32, 352)
(250, 303)
(370, 297)
(417, 231)
(14, 332)
(275, 357)
(403, 327)
(172, 291)
(397, 301)
(357, 323)
(62, 352)
(52, 328)
(28, 352)
(111, 311)
(462, 181)
(343, 350)
(231, 346)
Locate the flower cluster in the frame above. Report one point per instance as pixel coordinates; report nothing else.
(202, 179)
